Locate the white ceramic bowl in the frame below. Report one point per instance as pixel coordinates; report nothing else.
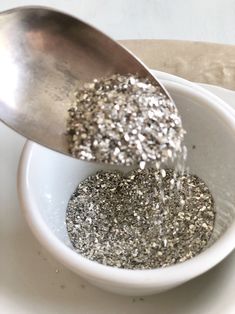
(47, 179)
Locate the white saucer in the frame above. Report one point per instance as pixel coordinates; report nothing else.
(33, 282)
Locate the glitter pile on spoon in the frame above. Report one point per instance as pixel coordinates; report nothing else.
(125, 120)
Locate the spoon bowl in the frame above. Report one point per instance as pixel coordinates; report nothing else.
(44, 56)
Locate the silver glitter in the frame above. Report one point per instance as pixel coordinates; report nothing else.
(124, 119)
(121, 220)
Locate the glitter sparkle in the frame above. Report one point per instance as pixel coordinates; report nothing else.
(124, 120)
(125, 221)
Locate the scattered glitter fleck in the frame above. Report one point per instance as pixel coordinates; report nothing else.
(124, 119)
(57, 270)
(121, 220)
(142, 165)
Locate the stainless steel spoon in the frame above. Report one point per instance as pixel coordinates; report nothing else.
(44, 55)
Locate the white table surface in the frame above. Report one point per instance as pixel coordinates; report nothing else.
(201, 20)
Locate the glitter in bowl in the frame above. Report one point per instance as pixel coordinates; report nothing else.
(123, 220)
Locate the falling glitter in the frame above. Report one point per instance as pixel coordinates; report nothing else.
(121, 220)
(124, 119)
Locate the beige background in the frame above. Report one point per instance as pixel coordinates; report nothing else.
(196, 61)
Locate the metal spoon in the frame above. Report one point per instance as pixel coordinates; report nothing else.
(44, 55)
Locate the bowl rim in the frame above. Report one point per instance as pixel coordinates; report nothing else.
(150, 278)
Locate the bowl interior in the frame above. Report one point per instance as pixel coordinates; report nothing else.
(210, 139)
